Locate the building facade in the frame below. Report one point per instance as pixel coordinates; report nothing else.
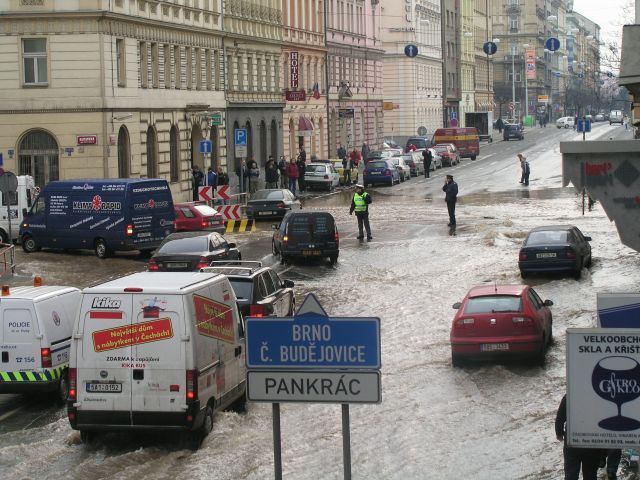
(355, 74)
(467, 60)
(253, 34)
(451, 21)
(412, 85)
(483, 70)
(303, 76)
(109, 89)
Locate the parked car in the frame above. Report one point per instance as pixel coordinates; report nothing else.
(565, 122)
(306, 235)
(337, 164)
(414, 161)
(599, 117)
(191, 251)
(512, 131)
(258, 289)
(379, 154)
(437, 160)
(561, 248)
(403, 168)
(321, 175)
(191, 216)
(448, 154)
(501, 320)
(420, 142)
(272, 203)
(380, 172)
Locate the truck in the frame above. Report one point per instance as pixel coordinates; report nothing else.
(17, 201)
(483, 122)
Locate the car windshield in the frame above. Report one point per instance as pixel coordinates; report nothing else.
(377, 165)
(375, 154)
(243, 288)
(418, 142)
(205, 210)
(545, 237)
(182, 245)
(268, 195)
(441, 148)
(493, 304)
(316, 169)
(395, 161)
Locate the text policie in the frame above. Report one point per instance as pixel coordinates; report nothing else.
(308, 386)
(632, 340)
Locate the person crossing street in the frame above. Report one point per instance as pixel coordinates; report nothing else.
(427, 157)
(450, 189)
(360, 204)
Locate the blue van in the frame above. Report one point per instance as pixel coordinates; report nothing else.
(104, 215)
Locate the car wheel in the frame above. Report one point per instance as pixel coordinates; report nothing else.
(101, 249)
(4, 236)
(333, 259)
(274, 250)
(62, 392)
(207, 423)
(473, 157)
(87, 437)
(456, 360)
(588, 263)
(577, 273)
(283, 258)
(524, 274)
(540, 356)
(240, 405)
(551, 340)
(29, 244)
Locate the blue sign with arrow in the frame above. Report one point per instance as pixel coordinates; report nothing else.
(490, 48)
(206, 146)
(411, 50)
(313, 340)
(552, 44)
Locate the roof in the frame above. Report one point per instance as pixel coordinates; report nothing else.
(197, 233)
(484, 290)
(155, 282)
(38, 293)
(101, 181)
(547, 228)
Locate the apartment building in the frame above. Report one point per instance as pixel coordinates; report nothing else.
(451, 20)
(483, 63)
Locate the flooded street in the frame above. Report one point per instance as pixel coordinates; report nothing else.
(484, 421)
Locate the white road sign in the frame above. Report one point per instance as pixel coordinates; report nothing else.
(603, 387)
(313, 386)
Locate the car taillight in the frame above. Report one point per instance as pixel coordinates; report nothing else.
(521, 320)
(152, 265)
(387, 172)
(337, 237)
(571, 253)
(129, 230)
(285, 240)
(523, 256)
(463, 322)
(202, 263)
(73, 381)
(45, 356)
(204, 224)
(192, 386)
(257, 311)
(280, 205)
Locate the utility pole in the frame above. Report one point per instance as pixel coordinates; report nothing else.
(513, 76)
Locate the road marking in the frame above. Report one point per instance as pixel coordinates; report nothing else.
(484, 157)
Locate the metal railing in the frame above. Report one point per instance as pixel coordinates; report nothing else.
(7, 259)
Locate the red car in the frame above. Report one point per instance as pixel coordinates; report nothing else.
(448, 153)
(501, 320)
(197, 216)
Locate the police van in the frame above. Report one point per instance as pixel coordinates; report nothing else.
(35, 338)
(156, 350)
(104, 215)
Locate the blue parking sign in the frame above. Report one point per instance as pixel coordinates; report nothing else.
(240, 136)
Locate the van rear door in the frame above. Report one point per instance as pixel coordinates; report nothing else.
(104, 372)
(19, 346)
(159, 360)
(151, 214)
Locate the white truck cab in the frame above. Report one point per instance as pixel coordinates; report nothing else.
(19, 202)
(35, 339)
(156, 350)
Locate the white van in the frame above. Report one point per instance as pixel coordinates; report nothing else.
(20, 201)
(161, 350)
(35, 339)
(615, 116)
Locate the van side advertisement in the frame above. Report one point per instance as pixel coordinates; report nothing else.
(603, 387)
(129, 335)
(214, 319)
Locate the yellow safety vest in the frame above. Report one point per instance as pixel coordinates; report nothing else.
(359, 202)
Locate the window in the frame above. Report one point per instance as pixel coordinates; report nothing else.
(189, 60)
(167, 66)
(155, 68)
(174, 155)
(121, 64)
(144, 67)
(198, 55)
(513, 22)
(34, 55)
(187, 212)
(207, 66)
(268, 282)
(177, 60)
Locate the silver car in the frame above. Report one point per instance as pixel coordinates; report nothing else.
(321, 175)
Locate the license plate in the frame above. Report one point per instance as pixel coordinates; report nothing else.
(265, 213)
(374, 173)
(177, 265)
(546, 255)
(311, 253)
(492, 347)
(96, 387)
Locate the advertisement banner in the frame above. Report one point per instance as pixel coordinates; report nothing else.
(214, 319)
(603, 387)
(128, 335)
(531, 63)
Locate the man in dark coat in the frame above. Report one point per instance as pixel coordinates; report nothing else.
(450, 189)
(197, 178)
(427, 158)
(500, 124)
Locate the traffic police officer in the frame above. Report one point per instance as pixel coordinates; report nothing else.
(360, 204)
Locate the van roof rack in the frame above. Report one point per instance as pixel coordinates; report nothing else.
(238, 263)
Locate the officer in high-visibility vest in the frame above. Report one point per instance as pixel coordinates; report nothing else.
(360, 204)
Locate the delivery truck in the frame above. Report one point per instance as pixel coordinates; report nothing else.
(483, 122)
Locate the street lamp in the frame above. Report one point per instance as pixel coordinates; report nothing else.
(526, 84)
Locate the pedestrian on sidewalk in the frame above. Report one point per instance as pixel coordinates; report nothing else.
(610, 461)
(212, 178)
(427, 158)
(243, 176)
(197, 180)
(360, 204)
(292, 175)
(575, 458)
(365, 151)
(450, 189)
(302, 169)
(500, 124)
(254, 175)
(526, 170)
(282, 168)
(522, 159)
(271, 174)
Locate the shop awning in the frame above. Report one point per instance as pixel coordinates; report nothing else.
(305, 127)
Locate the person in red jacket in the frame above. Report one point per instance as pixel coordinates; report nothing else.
(292, 175)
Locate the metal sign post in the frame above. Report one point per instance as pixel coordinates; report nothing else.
(312, 357)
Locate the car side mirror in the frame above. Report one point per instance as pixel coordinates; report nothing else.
(548, 303)
(287, 283)
(588, 239)
(457, 305)
(232, 245)
(275, 226)
(25, 213)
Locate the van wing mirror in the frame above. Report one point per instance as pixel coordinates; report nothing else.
(548, 303)
(457, 305)
(287, 284)
(276, 226)
(588, 239)
(232, 245)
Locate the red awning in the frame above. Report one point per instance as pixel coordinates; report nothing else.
(304, 124)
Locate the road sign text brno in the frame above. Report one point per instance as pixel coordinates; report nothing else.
(313, 341)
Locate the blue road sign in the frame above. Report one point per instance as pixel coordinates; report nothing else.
(581, 75)
(205, 146)
(584, 125)
(490, 48)
(411, 50)
(240, 136)
(313, 340)
(557, 74)
(453, 115)
(552, 44)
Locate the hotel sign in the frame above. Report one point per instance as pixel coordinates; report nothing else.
(296, 96)
(293, 57)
